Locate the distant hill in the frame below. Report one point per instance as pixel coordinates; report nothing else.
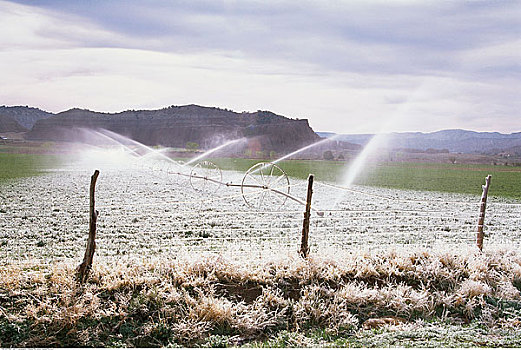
(455, 140)
(8, 124)
(176, 125)
(510, 152)
(23, 115)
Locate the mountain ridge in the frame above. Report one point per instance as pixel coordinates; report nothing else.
(24, 115)
(8, 124)
(176, 125)
(268, 127)
(455, 140)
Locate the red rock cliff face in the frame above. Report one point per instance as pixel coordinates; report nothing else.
(175, 126)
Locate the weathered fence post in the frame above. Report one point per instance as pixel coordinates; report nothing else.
(483, 207)
(84, 268)
(304, 247)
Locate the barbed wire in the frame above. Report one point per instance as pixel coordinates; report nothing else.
(394, 198)
(432, 228)
(338, 226)
(411, 200)
(329, 214)
(209, 199)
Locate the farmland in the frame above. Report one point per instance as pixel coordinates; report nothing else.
(13, 165)
(177, 265)
(456, 178)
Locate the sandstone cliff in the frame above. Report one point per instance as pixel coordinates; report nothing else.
(175, 126)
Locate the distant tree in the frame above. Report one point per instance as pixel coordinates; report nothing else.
(328, 155)
(260, 154)
(248, 153)
(273, 154)
(192, 146)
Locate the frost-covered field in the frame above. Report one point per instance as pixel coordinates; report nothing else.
(149, 213)
(153, 283)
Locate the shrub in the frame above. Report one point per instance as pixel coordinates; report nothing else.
(328, 155)
(192, 146)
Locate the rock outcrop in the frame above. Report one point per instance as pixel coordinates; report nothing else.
(8, 124)
(24, 115)
(176, 125)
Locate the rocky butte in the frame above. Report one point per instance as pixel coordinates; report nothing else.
(176, 125)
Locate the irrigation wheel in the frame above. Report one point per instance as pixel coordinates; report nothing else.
(206, 177)
(168, 170)
(265, 186)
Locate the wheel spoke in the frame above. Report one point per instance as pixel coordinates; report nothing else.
(200, 175)
(278, 179)
(262, 197)
(256, 180)
(267, 179)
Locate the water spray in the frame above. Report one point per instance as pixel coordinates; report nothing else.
(149, 149)
(205, 154)
(379, 139)
(305, 148)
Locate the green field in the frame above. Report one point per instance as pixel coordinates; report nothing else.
(457, 178)
(15, 165)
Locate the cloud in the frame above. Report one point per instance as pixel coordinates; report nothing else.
(345, 66)
(378, 37)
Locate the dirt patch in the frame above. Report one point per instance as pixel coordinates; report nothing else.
(375, 323)
(245, 293)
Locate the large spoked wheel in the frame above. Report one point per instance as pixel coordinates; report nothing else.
(169, 171)
(206, 177)
(265, 186)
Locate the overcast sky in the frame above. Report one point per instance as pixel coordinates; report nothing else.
(347, 66)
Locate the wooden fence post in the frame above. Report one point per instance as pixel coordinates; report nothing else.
(483, 207)
(304, 247)
(84, 268)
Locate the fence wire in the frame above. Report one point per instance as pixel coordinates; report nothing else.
(46, 218)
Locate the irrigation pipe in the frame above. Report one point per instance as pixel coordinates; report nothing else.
(197, 201)
(440, 228)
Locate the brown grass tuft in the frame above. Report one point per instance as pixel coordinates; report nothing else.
(153, 302)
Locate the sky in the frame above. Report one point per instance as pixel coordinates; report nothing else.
(346, 66)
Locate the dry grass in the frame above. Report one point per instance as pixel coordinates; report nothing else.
(197, 302)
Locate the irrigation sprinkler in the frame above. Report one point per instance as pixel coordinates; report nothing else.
(264, 186)
(273, 183)
(206, 177)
